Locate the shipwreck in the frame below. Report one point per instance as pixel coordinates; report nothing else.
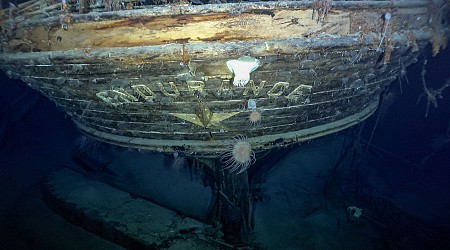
(200, 78)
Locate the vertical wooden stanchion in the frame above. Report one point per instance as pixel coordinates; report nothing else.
(82, 7)
(232, 206)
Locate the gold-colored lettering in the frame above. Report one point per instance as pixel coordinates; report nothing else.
(302, 91)
(174, 88)
(144, 92)
(251, 86)
(116, 97)
(278, 89)
(225, 90)
(123, 96)
(104, 96)
(196, 87)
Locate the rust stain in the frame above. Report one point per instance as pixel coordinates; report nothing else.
(229, 37)
(159, 22)
(184, 57)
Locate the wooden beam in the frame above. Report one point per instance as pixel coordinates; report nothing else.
(130, 5)
(82, 7)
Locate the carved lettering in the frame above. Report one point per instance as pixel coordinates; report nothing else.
(124, 96)
(196, 88)
(251, 86)
(172, 86)
(278, 89)
(226, 89)
(144, 92)
(301, 92)
(116, 97)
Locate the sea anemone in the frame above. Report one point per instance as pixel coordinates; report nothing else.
(87, 145)
(240, 155)
(180, 162)
(254, 118)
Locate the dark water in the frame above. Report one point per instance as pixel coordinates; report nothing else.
(399, 175)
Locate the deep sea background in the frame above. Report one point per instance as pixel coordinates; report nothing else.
(408, 150)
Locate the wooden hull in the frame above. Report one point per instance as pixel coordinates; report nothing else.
(157, 78)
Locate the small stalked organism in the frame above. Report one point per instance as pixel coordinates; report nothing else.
(240, 155)
(254, 118)
(387, 17)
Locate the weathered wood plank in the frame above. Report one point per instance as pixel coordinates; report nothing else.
(160, 74)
